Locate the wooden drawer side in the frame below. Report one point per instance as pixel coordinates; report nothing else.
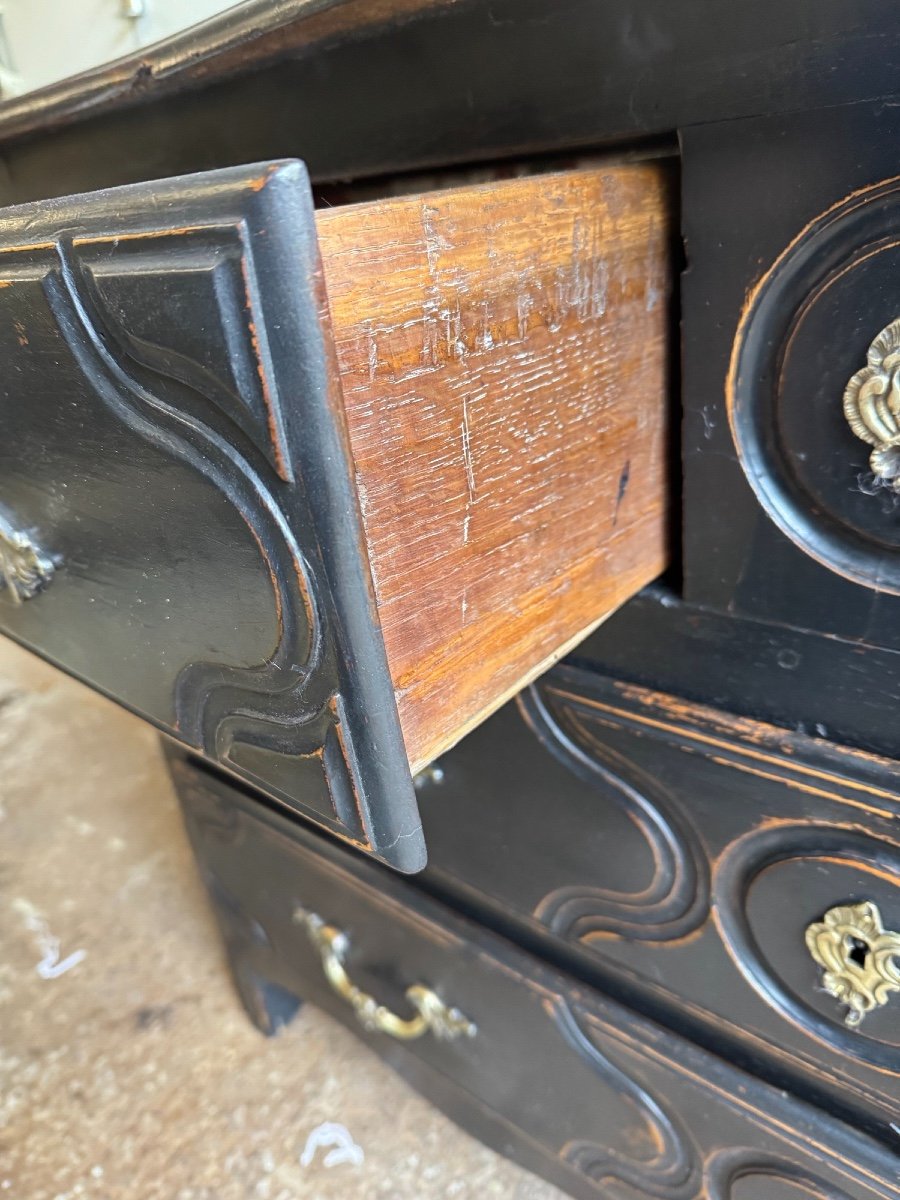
(502, 351)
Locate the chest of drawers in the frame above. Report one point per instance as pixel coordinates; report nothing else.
(322, 464)
(567, 1081)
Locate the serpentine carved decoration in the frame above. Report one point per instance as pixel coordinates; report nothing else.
(288, 707)
(213, 691)
(673, 1173)
(676, 899)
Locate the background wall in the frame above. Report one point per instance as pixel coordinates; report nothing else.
(45, 40)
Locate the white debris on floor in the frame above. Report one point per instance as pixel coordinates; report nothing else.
(127, 1069)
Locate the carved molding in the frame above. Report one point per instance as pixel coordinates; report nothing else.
(676, 900)
(841, 247)
(673, 1173)
(742, 864)
(195, 312)
(680, 1168)
(726, 1168)
(282, 701)
(737, 807)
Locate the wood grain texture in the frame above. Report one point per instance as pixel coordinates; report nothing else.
(502, 352)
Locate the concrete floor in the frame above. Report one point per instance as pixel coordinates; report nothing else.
(127, 1070)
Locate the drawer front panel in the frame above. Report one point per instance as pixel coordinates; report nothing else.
(743, 877)
(790, 326)
(179, 521)
(577, 1087)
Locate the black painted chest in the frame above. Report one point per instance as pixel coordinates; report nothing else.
(655, 950)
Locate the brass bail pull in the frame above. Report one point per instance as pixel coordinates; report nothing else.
(431, 1013)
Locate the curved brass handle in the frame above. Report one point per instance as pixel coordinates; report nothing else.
(860, 959)
(431, 1012)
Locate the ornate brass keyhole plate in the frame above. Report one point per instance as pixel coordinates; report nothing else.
(860, 959)
(24, 569)
(872, 404)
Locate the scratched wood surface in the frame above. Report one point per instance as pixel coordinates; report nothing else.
(503, 361)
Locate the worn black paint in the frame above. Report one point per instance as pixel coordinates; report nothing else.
(594, 1097)
(449, 83)
(837, 688)
(808, 332)
(171, 435)
(757, 624)
(641, 825)
(548, 821)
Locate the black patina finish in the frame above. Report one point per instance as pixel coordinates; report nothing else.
(171, 438)
(356, 88)
(675, 857)
(599, 1100)
(787, 606)
(649, 1020)
(788, 285)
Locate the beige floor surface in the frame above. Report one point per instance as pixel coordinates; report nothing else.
(127, 1070)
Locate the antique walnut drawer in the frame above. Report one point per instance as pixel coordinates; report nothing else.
(708, 868)
(317, 492)
(603, 1102)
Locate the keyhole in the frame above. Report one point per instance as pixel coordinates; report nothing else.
(859, 951)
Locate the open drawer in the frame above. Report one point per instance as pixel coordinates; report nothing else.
(316, 491)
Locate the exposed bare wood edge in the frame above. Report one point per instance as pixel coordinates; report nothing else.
(247, 36)
(440, 747)
(433, 740)
(477, 594)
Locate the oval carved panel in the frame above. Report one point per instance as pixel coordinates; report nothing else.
(768, 886)
(813, 346)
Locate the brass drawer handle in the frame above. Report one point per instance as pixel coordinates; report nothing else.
(431, 1012)
(24, 569)
(859, 957)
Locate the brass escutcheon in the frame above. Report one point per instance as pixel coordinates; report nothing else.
(24, 569)
(858, 956)
(872, 404)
